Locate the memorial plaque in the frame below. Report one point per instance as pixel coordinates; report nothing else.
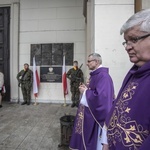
(57, 54)
(36, 51)
(46, 54)
(52, 54)
(51, 74)
(68, 50)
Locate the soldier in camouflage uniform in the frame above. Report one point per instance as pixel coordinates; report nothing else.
(75, 75)
(25, 79)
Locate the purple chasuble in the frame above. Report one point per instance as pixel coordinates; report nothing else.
(88, 119)
(128, 122)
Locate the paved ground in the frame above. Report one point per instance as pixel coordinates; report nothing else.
(32, 127)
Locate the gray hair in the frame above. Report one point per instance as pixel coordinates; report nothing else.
(141, 19)
(97, 57)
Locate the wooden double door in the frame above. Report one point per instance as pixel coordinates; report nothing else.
(5, 48)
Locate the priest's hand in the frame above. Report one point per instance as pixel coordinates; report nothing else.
(105, 147)
(82, 88)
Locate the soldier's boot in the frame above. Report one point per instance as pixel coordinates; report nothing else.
(23, 103)
(73, 105)
(77, 103)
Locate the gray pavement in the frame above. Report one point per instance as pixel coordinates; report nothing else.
(24, 127)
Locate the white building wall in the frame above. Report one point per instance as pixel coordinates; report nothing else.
(145, 4)
(109, 17)
(51, 21)
(54, 21)
(90, 32)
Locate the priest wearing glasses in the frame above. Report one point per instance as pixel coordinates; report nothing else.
(128, 123)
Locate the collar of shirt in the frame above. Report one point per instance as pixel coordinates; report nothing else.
(97, 68)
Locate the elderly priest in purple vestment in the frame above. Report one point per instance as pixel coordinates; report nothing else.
(128, 124)
(94, 105)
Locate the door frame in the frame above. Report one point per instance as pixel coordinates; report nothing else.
(14, 45)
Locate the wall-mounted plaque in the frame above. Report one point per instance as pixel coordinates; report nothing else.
(68, 50)
(46, 54)
(36, 50)
(52, 54)
(57, 54)
(51, 74)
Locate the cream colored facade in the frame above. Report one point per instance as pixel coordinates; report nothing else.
(104, 20)
(62, 21)
(107, 18)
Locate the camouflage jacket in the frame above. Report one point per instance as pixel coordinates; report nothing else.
(75, 76)
(27, 77)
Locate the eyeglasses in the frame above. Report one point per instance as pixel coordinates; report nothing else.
(90, 60)
(134, 40)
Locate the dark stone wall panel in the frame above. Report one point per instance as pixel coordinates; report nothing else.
(52, 54)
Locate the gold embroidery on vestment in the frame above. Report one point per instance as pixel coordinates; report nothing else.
(128, 110)
(80, 117)
(121, 126)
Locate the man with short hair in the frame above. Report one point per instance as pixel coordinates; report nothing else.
(96, 101)
(25, 79)
(128, 123)
(75, 75)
